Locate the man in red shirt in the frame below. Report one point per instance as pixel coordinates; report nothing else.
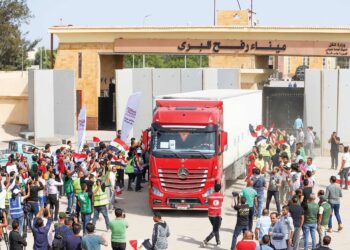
(214, 212)
(247, 242)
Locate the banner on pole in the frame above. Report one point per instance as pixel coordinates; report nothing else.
(130, 115)
(81, 128)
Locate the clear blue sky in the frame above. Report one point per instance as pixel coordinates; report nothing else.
(179, 12)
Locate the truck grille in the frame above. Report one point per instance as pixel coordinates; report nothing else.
(194, 182)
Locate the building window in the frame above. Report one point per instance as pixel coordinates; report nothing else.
(79, 64)
(306, 60)
(288, 63)
(324, 62)
(343, 62)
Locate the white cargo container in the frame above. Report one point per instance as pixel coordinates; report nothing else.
(240, 108)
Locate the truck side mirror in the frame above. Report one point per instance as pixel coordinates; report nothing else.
(223, 140)
(145, 139)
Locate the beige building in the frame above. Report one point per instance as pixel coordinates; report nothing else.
(95, 52)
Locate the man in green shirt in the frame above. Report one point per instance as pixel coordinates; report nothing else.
(68, 187)
(118, 228)
(250, 195)
(311, 211)
(323, 218)
(84, 203)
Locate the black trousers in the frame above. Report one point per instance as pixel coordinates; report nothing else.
(334, 158)
(138, 181)
(54, 203)
(118, 246)
(251, 215)
(216, 223)
(276, 196)
(144, 172)
(120, 177)
(131, 179)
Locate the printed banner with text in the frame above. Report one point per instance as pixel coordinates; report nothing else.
(130, 115)
(81, 128)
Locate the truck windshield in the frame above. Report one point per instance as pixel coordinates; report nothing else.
(184, 144)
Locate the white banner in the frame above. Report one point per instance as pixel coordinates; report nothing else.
(130, 115)
(81, 128)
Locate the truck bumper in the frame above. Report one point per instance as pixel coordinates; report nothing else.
(179, 201)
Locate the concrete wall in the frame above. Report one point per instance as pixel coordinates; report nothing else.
(130, 81)
(13, 97)
(64, 102)
(344, 105)
(44, 123)
(327, 100)
(52, 96)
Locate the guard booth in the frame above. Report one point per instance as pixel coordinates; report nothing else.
(282, 105)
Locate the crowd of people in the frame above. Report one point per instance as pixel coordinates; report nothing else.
(281, 167)
(31, 196)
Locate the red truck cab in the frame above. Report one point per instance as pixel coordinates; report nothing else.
(186, 143)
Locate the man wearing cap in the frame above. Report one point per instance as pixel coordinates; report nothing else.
(324, 213)
(16, 209)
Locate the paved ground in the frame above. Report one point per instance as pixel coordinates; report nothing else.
(189, 228)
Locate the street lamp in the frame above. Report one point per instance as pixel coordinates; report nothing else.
(143, 24)
(144, 19)
(214, 12)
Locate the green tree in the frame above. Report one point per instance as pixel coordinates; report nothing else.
(14, 46)
(166, 61)
(42, 58)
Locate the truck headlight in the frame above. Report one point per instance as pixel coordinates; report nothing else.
(209, 191)
(156, 192)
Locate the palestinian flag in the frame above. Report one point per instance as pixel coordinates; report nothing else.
(259, 127)
(260, 140)
(140, 244)
(252, 131)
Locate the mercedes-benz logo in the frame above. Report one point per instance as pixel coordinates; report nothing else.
(182, 173)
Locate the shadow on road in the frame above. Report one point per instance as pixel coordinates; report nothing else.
(191, 240)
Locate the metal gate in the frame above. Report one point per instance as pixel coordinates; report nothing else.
(281, 106)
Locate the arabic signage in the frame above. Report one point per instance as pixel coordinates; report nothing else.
(233, 47)
(216, 47)
(337, 49)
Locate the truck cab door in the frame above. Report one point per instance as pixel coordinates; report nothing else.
(145, 139)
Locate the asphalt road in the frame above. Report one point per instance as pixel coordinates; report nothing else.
(189, 228)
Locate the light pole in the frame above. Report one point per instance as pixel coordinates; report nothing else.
(143, 24)
(214, 12)
(144, 19)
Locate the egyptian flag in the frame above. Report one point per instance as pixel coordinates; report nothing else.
(140, 244)
(252, 131)
(95, 139)
(280, 142)
(118, 145)
(78, 156)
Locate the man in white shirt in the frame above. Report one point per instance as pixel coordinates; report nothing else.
(309, 166)
(345, 167)
(12, 167)
(309, 142)
(262, 225)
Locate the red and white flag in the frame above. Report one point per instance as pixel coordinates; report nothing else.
(140, 244)
(119, 145)
(95, 139)
(79, 156)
